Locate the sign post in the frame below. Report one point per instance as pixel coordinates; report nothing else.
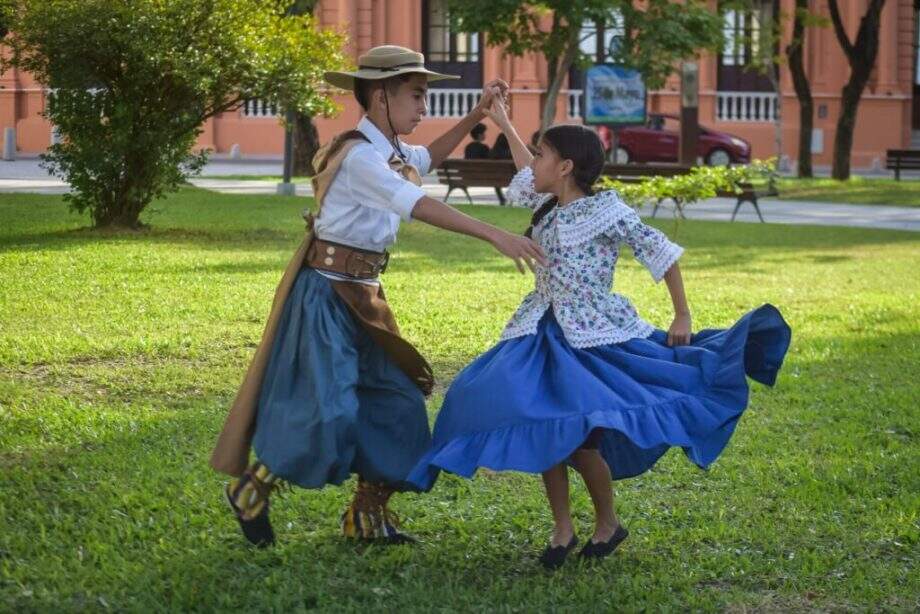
(689, 112)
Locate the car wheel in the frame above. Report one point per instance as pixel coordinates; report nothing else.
(621, 157)
(718, 157)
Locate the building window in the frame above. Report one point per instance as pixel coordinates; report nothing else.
(457, 53)
(917, 49)
(444, 45)
(743, 32)
(733, 33)
(587, 39)
(596, 40)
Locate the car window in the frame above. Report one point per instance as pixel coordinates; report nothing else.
(655, 122)
(671, 124)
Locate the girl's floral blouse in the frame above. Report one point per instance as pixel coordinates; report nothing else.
(582, 244)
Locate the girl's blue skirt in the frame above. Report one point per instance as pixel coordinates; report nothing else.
(528, 403)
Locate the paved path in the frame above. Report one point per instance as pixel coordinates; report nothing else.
(27, 176)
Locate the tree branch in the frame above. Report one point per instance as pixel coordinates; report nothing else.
(867, 38)
(841, 32)
(795, 51)
(217, 108)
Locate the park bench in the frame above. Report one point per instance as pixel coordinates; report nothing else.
(749, 193)
(457, 173)
(898, 160)
(461, 174)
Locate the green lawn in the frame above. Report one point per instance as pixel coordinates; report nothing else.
(119, 355)
(857, 190)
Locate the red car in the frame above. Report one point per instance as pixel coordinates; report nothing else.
(658, 141)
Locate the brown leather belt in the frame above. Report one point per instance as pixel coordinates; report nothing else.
(345, 260)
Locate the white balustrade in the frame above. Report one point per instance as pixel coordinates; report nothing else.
(746, 106)
(452, 102)
(442, 102)
(259, 109)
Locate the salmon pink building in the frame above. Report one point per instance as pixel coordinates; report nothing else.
(731, 100)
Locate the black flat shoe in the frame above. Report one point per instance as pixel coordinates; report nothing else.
(554, 556)
(258, 531)
(600, 550)
(397, 538)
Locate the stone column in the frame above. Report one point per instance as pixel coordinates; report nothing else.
(9, 98)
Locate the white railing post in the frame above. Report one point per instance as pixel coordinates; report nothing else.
(746, 106)
(9, 144)
(574, 103)
(452, 102)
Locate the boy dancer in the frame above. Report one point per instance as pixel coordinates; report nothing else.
(333, 389)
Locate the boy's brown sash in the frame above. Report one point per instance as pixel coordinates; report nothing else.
(366, 302)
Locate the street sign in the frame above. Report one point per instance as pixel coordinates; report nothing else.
(614, 96)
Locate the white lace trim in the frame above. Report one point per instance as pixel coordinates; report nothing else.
(526, 319)
(638, 330)
(513, 332)
(526, 323)
(590, 217)
(664, 259)
(521, 190)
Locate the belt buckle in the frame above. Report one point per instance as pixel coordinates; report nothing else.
(357, 265)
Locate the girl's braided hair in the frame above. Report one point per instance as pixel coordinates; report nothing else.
(582, 146)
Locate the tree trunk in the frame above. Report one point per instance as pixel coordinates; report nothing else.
(124, 202)
(559, 70)
(778, 122)
(305, 135)
(127, 210)
(861, 57)
(118, 212)
(129, 219)
(846, 125)
(795, 51)
(306, 144)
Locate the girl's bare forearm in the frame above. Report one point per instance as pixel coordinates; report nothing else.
(520, 153)
(675, 283)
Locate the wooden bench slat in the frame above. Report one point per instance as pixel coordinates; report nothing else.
(902, 159)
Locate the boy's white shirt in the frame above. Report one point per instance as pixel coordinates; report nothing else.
(367, 199)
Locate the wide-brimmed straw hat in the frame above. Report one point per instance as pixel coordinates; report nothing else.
(382, 63)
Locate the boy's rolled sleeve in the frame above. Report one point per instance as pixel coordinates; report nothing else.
(405, 198)
(374, 184)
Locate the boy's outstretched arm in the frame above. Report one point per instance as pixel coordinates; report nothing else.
(520, 249)
(441, 147)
